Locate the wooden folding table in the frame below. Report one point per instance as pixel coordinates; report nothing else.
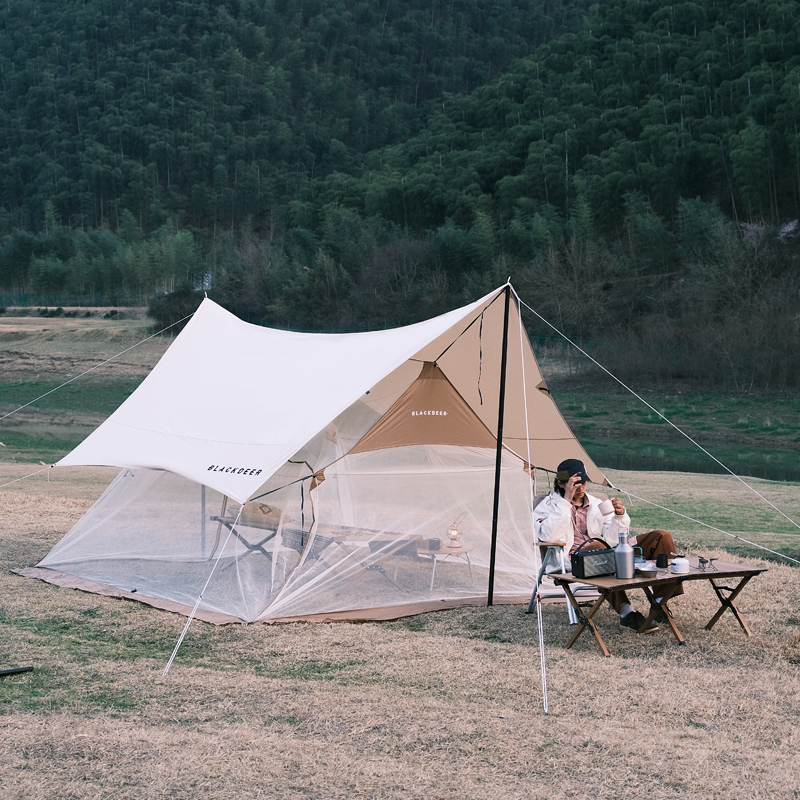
(714, 572)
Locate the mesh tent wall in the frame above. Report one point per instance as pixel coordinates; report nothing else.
(309, 472)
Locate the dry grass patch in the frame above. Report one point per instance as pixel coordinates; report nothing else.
(32, 347)
(444, 705)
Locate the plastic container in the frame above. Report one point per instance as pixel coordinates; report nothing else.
(680, 566)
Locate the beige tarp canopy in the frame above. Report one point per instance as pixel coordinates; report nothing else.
(362, 447)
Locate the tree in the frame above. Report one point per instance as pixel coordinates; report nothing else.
(751, 169)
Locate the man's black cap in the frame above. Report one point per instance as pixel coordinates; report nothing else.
(572, 466)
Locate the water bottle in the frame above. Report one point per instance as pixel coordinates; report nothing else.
(623, 556)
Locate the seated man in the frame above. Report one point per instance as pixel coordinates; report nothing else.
(570, 514)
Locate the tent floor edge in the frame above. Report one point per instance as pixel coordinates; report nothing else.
(379, 614)
(67, 581)
(387, 613)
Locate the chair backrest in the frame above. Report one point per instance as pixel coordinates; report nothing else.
(260, 515)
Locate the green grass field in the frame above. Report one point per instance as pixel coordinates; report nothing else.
(88, 395)
(59, 421)
(750, 434)
(714, 511)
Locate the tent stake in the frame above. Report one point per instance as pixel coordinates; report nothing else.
(500, 415)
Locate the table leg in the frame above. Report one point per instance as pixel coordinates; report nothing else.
(655, 607)
(367, 568)
(444, 558)
(584, 622)
(727, 602)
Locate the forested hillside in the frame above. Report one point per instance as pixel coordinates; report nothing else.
(666, 100)
(633, 165)
(214, 112)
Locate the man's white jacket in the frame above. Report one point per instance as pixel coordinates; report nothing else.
(553, 521)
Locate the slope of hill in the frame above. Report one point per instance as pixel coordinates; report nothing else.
(665, 101)
(214, 112)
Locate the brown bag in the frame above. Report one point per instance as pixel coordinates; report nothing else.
(260, 515)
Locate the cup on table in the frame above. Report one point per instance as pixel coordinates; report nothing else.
(662, 560)
(606, 507)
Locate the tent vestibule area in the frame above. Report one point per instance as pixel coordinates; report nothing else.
(367, 481)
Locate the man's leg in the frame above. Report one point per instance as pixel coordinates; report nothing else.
(655, 543)
(618, 599)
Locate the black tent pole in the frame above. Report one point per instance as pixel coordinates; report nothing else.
(15, 670)
(500, 415)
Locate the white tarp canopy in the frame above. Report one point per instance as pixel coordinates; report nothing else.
(230, 402)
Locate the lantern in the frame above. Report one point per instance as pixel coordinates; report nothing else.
(453, 536)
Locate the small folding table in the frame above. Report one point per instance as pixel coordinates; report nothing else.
(712, 571)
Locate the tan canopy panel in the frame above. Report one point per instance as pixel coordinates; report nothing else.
(430, 411)
(471, 361)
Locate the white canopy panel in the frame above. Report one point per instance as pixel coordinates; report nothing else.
(230, 402)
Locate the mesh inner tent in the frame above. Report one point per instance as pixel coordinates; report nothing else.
(375, 514)
(162, 536)
(358, 541)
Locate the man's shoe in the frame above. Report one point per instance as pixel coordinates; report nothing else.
(634, 620)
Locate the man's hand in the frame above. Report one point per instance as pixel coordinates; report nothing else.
(572, 487)
(619, 509)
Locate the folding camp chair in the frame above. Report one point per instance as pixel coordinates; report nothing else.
(235, 523)
(553, 560)
(252, 547)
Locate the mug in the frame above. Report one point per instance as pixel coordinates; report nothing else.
(662, 561)
(606, 507)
